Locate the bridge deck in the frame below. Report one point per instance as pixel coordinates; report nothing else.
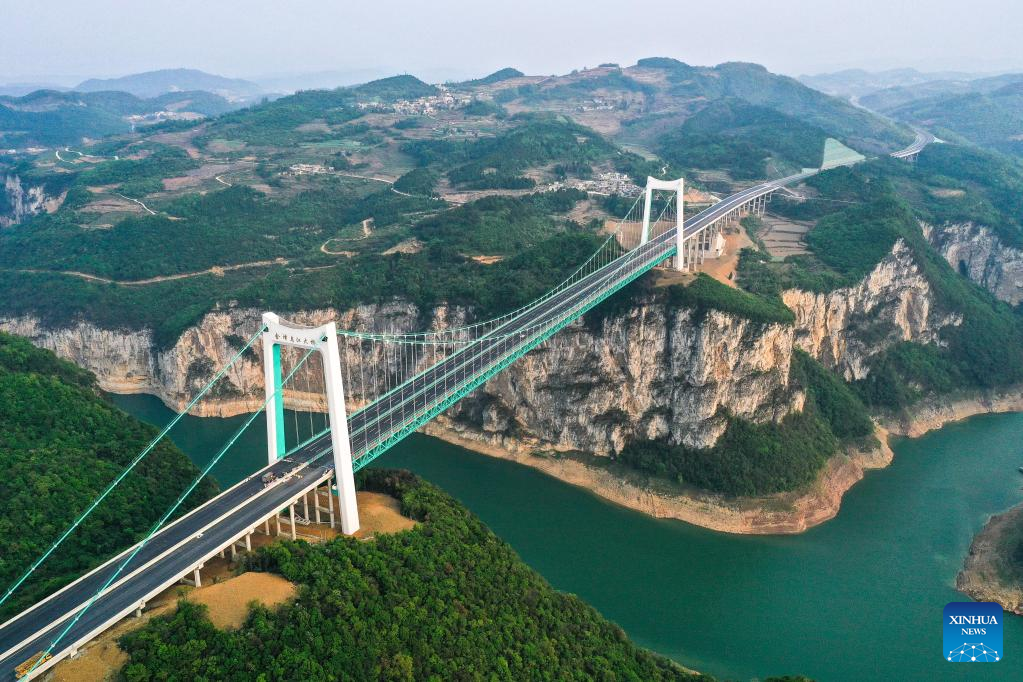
(195, 538)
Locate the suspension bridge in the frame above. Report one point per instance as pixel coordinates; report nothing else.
(378, 385)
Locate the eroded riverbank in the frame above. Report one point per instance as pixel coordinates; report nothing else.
(784, 513)
(992, 570)
(771, 514)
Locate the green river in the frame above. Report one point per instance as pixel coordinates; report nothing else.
(858, 598)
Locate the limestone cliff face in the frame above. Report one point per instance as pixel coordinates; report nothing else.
(649, 372)
(845, 327)
(977, 251)
(128, 361)
(24, 201)
(652, 372)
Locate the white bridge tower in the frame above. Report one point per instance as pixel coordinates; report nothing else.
(323, 338)
(678, 186)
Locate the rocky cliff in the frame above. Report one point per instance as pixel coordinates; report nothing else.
(21, 201)
(992, 570)
(650, 371)
(977, 252)
(128, 361)
(845, 327)
(647, 371)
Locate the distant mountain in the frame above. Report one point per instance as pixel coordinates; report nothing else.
(394, 88)
(991, 118)
(154, 83)
(504, 74)
(22, 89)
(857, 82)
(340, 78)
(659, 94)
(53, 118)
(890, 98)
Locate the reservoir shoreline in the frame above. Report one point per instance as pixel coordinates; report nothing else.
(890, 556)
(782, 513)
(777, 514)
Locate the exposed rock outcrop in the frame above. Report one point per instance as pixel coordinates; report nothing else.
(845, 327)
(992, 570)
(24, 201)
(977, 252)
(652, 372)
(128, 361)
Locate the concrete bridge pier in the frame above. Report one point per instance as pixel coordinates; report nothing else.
(196, 579)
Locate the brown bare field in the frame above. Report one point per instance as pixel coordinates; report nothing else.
(723, 269)
(196, 177)
(487, 260)
(783, 237)
(224, 146)
(111, 205)
(181, 139)
(695, 196)
(408, 246)
(314, 127)
(380, 513)
(228, 602)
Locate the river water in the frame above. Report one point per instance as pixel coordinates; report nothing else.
(858, 598)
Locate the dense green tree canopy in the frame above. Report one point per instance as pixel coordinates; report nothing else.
(60, 445)
(446, 600)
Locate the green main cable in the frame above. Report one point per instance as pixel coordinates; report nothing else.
(113, 484)
(170, 512)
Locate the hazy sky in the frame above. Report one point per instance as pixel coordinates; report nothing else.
(73, 38)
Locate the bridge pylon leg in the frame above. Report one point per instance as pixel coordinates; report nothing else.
(680, 221)
(645, 234)
(323, 339)
(676, 186)
(342, 446)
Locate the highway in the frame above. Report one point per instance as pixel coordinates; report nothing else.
(198, 536)
(923, 138)
(170, 555)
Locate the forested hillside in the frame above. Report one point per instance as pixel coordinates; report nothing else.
(288, 204)
(749, 140)
(47, 117)
(990, 119)
(60, 444)
(447, 600)
(861, 213)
